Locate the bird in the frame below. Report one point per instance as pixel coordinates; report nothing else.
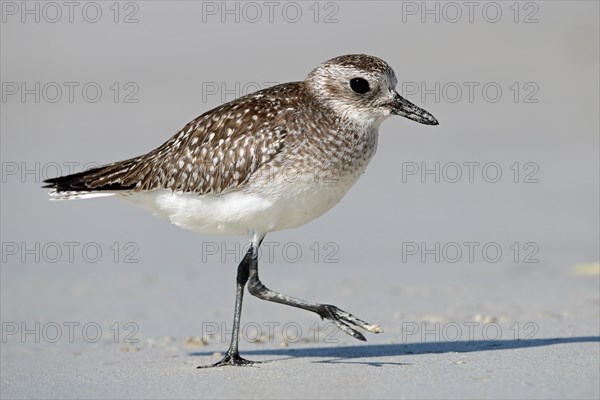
(271, 160)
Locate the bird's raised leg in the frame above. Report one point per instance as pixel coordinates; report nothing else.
(340, 318)
(232, 357)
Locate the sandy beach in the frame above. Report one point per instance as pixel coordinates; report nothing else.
(473, 244)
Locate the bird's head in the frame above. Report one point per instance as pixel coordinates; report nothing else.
(362, 89)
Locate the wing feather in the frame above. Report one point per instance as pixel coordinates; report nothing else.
(214, 153)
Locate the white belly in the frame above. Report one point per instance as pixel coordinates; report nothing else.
(275, 206)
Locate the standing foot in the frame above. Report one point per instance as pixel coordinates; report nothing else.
(232, 360)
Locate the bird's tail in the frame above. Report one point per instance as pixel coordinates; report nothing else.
(107, 180)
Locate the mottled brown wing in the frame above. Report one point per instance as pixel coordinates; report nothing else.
(216, 152)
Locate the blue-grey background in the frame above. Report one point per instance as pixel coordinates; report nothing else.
(162, 63)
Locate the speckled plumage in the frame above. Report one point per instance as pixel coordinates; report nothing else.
(271, 160)
(297, 127)
(277, 130)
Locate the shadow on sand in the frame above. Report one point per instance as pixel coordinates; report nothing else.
(346, 353)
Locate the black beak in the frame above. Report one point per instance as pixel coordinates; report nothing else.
(405, 108)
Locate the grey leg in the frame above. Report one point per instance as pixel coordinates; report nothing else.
(232, 357)
(340, 318)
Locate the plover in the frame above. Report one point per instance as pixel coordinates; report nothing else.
(272, 160)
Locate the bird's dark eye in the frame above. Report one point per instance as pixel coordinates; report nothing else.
(359, 85)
